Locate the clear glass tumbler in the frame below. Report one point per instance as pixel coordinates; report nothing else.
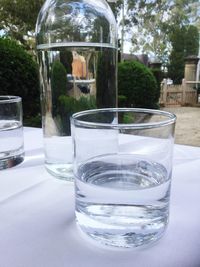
(11, 132)
(123, 169)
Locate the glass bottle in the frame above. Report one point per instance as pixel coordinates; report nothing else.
(77, 54)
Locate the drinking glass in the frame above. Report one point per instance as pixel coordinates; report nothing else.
(11, 132)
(123, 169)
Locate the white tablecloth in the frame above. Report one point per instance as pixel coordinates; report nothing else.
(38, 229)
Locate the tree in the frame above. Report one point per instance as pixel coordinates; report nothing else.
(19, 76)
(146, 23)
(105, 80)
(18, 19)
(191, 41)
(149, 23)
(185, 42)
(137, 85)
(58, 83)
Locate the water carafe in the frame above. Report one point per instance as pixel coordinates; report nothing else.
(77, 54)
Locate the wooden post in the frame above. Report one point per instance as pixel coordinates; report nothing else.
(184, 86)
(191, 68)
(165, 91)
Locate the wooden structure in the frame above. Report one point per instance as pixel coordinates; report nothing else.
(185, 94)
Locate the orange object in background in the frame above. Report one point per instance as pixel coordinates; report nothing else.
(78, 66)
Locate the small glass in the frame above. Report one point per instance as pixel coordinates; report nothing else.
(11, 132)
(123, 168)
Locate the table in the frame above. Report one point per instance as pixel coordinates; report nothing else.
(38, 229)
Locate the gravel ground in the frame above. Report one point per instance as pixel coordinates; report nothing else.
(187, 126)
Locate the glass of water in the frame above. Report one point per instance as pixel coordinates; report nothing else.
(11, 132)
(123, 168)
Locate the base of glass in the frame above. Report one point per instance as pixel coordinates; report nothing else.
(61, 171)
(9, 162)
(130, 240)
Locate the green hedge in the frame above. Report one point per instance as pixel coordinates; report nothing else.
(158, 74)
(137, 86)
(69, 105)
(58, 84)
(19, 76)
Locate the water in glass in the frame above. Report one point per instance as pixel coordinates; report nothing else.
(89, 82)
(11, 136)
(122, 200)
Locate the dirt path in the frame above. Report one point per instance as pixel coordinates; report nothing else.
(187, 125)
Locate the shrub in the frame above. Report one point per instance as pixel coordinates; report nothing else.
(137, 83)
(158, 74)
(19, 76)
(69, 105)
(58, 83)
(122, 100)
(66, 58)
(105, 81)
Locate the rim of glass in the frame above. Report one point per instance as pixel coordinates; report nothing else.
(9, 99)
(168, 118)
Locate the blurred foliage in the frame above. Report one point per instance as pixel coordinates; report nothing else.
(19, 76)
(159, 75)
(122, 99)
(185, 42)
(148, 24)
(58, 83)
(106, 80)
(69, 105)
(66, 58)
(138, 85)
(18, 19)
